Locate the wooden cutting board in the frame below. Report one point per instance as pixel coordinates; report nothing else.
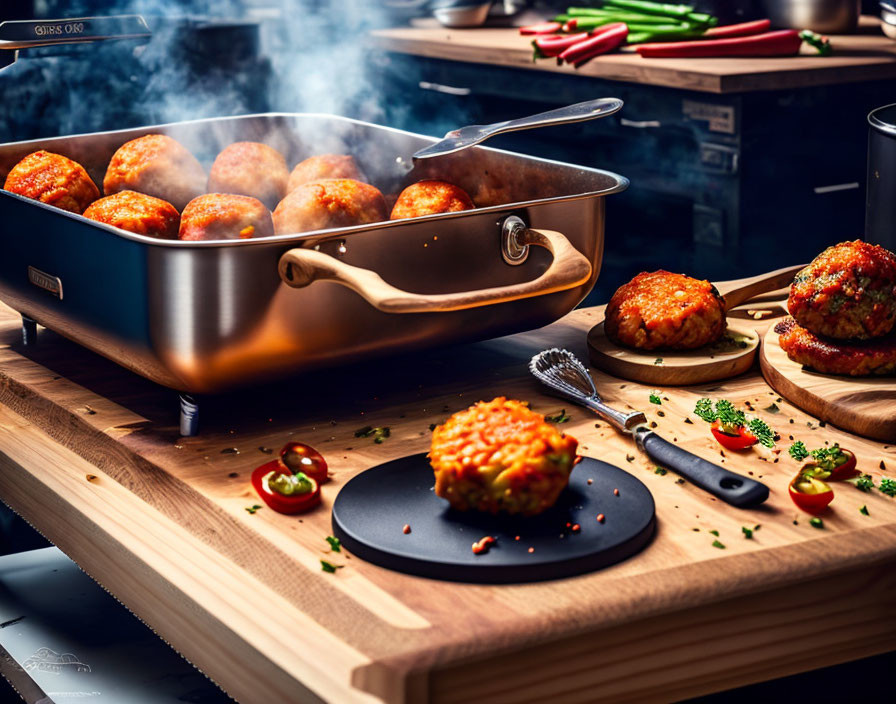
(862, 405)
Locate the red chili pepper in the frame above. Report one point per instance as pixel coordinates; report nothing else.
(847, 470)
(570, 25)
(608, 38)
(545, 47)
(288, 504)
(784, 42)
(744, 29)
(741, 441)
(541, 28)
(814, 502)
(299, 457)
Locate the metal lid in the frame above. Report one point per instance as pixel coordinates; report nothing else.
(883, 119)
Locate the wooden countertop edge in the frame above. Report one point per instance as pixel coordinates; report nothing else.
(683, 586)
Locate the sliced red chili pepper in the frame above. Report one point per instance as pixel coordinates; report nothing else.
(570, 25)
(299, 457)
(544, 47)
(282, 503)
(784, 42)
(606, 39)
(741, 441)
(743, 29)
(541, 28)
(846, 470)
(810, 494)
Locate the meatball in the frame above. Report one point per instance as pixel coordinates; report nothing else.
(498, 456)
(661, 310)
(851, 358)
(157, 166)
(848, 291)
(52, 179)
(314, 168)
(429, 198)
(225, 216)
(136, 212)
(250, 169)
(332, 202)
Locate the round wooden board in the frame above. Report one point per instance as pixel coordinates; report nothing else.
(679, 367)
(862, 405)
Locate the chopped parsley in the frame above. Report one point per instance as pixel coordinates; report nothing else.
(732, 419)
(655, 398)
(717, 544)
(773, 408)
(660, 471)
(887, 486)
(253, 508)
(748, 532)
(378, 434)
(703, 410)
(798, 451)
(330, 567)
(658, 360)
(761, 431)
(816, 522)
(864, 483)
(561, 417)
(864, 510)
(335, 545)
(714, 532)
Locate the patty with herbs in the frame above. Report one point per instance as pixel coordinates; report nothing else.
(847, 292)
(848, 357)
(662, 310)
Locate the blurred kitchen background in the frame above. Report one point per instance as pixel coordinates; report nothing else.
(721, 185)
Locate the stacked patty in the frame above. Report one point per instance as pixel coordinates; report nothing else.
(844, 311)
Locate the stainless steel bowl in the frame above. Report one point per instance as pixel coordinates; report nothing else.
(462, 14)
(825, 16)
(888, 19)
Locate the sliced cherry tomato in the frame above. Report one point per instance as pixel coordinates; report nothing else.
(741, 441)
(810, 493)
(304, 458)
(847, 470)
(291, 503)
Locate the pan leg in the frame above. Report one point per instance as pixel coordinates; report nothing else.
(29, 331)
(189, 416)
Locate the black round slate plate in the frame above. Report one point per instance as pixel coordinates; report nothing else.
(372, 508)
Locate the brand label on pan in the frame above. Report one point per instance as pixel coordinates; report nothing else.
(46, 281)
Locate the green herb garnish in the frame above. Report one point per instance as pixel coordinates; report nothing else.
(714, 532)
(654, 398)
(748, 532)
(717, 544)
(561, 417)
(798, 451)
(761, 432)
(816, 522)
(864, 511)
(329, 566)
(253, 508)
(378, 434)
(864, 483)
(887, 486)
(660, 471)
(703, 410)
(335, 545)
(658, 360)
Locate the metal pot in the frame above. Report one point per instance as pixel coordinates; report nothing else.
(825, 16)
(204, 316)
(880, 204)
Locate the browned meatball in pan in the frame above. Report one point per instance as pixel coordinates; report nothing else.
(156, 165)
(136, 212)
(429, 198)
(662, 310)
(315, 168)
(52, 179)
(225, 216)
(250, 169)
(334, 202)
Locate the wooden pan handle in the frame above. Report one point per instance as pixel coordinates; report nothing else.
(299, 267)
(742, 290)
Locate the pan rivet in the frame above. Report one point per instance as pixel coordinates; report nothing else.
(512, 250)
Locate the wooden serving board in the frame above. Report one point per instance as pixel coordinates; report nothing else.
(90, 454)
(862, 405)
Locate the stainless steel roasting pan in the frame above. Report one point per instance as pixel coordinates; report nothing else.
(202, 317)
